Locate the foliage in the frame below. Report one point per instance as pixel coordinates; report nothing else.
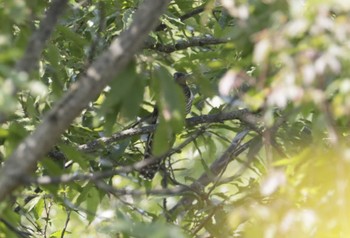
(286, 62)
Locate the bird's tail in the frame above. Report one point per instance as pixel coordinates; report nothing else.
(150, 170)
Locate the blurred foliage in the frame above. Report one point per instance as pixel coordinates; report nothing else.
(286, 61)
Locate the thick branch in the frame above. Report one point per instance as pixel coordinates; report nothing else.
(181, 45)
(24, 159)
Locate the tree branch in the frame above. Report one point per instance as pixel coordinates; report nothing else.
(38, 39)
(14, 229)
(66, 178)
(190, 14)
(24, 159)
(94, 145)
(176, 191)
(215, 169)
(37, 43)
(243, 115)
(181, 45)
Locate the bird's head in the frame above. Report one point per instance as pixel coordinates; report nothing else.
(181, 78)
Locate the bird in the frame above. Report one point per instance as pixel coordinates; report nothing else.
(148, 172)
(181, 79)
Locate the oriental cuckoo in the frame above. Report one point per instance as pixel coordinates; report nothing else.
(149, 171)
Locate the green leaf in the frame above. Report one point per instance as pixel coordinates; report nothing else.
(118, 150)
(32, 204)
(111, 118)
(52, 167)
(39, 208)
(30, 106)
(9, 55)
(17, 133)
(72, 37)
(163, 138)
(73, 154)
(168, 21)
(127, 17)
(53, 55)
(131, 103)
(58, 234)
(170, 99)
(13, 218)
(55, 70)
(92, 202)
(121, 88)
(89, 199)
(4, 132)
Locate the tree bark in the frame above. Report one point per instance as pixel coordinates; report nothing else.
(106, 67)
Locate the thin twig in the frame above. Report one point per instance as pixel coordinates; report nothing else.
(66, 223)
(14, 229)
(187, 15)
(47, 207)
(215, 169)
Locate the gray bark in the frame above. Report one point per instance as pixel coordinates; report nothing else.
(106, 67)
